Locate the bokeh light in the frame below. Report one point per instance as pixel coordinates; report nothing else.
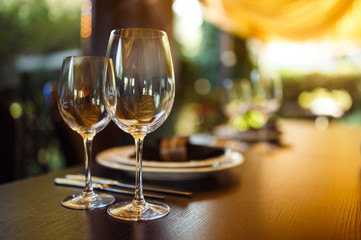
(202, 86)
(16, 110)
(321, 101)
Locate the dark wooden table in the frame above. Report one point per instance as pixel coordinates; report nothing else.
(308, 189)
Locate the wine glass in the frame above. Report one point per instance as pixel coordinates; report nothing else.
(267, 97)
(81, 105)
(237, 99)
(140, 98)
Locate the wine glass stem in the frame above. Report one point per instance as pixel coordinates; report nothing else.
(88, 141)
(139, 198)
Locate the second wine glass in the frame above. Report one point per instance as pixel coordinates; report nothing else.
(236, 99)
(81, 105)
(267, 97)
(267, 92)
(140, 99)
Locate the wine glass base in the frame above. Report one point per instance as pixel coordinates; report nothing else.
(129, 211)
(87, 201)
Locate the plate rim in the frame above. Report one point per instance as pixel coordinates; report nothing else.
(115, 151)
(233, 159)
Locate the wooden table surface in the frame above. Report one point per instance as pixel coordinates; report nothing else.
(308, 189)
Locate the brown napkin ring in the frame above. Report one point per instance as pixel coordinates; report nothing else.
(173, 149)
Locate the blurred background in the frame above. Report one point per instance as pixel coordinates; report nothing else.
(312, 46)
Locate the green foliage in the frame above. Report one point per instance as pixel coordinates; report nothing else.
(30, 26)
(11, 33)
(206, 63)
(34, 27)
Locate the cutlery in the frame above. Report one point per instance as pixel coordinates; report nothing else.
(104, 187)
(107, 181)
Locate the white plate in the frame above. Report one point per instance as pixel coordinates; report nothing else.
(122, 155)
(119, 158)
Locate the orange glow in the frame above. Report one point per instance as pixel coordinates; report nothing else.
(296, 20)
(86, 20)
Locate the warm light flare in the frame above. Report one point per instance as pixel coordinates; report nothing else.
(188, 21)
(86, 20)
(322, 102)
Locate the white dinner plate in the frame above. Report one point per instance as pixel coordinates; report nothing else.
(122, 155)
(119, 158)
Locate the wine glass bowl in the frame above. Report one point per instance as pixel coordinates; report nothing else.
(267, 97)
(236, 99)
(266, 93)
(139, 98)
(81, 105)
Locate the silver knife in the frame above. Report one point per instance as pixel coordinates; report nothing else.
(124, 185)
(104, 187)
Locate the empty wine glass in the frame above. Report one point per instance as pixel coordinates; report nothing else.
(81, 105)
(267, 97)
(237, 98)
(140, 99)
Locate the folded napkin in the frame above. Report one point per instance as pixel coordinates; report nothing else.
(178, 149)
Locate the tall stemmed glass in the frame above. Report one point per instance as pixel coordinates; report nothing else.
(81, 105)
(140, 99)
(267, 96)
(237, 99)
